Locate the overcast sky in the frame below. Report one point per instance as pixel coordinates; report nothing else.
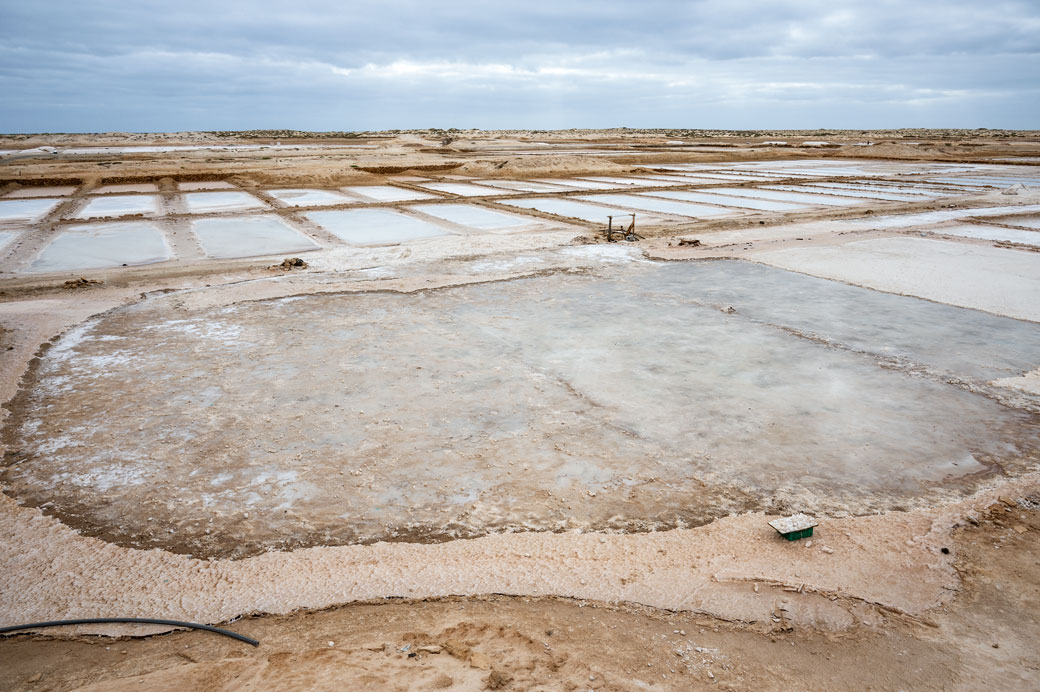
(104, 65)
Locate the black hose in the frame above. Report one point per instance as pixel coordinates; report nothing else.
(146, 621)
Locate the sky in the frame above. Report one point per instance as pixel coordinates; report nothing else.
(144, 66)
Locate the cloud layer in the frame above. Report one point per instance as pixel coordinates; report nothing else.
(313, 64)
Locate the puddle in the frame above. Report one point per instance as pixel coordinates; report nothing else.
(102, 245)
(465, 189)
(119, 205)
(205, 185)
(795, 197)
(387, 193)
(26, 209)
(535, 404)
(970, 230)
(206, 202)
(742, 202)
(577, 210)
(375, 226)
(662, 206)
(478, 218)
(128, 187)
(49, 191)
(249, 236)
(310, 198)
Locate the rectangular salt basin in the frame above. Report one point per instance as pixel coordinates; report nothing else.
(1014, 235)
(524, 185)
(6, 237)
(205, 185)
(119, 205)
(375, 226)
(26, 209)
(685, 179)
(993, 279)
(249, 236)
(1027, 221)
(476, 217)
(662, 206)
(577, 210)
(908, 191)
(580, 184)
(310, 198)
(130, 187)
(869, 194)
(47, 191)
(742, 202)
(202, 202)
(762, 193)
(638, 182)
(97, 246)
(386, 193)
(465, 189)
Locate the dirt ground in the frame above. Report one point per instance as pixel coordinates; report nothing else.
(946, 598)
(985, 638)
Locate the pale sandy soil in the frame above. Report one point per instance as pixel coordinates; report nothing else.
(873, 603)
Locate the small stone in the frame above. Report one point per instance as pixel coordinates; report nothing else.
(332, 643)
(1020, 529)
(1007, 501)
(808, 544)
(442, 682)
(432, 649)
(827, 550)
(36, 678)
(996, 646)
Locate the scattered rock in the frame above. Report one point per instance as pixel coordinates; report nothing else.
(827, 550)
(290, 263)
(1020, 529)
(1007, 501)
(374, 647)
(693, 242)
(497, 680)
(81, 283)
(480, 661)
(442, 682)
(729, 309)
(432, 649)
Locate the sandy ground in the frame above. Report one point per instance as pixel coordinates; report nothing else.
(945, 596)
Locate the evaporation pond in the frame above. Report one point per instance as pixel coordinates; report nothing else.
(663, 206)
(472, 216)
(205, 202)
(119, 205)
(1014, 235)
(743, 202)
(870, 194)
(524, 185)
(248, 236)
(621, 397)
(47, 191)
(464, 189)
(387, 193)
(310, 198)
(26, 209)
(205, 185)
(571, 208)
(795, 197)
(375, 226)
(101, 245)
(126, 187)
